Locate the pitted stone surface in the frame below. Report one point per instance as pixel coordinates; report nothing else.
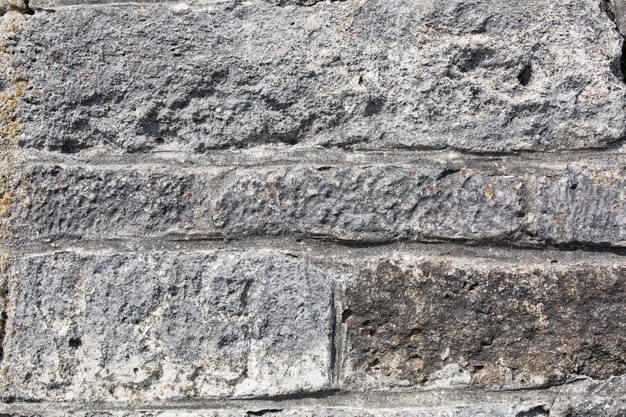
(54, 202)
(477, 75)
(447, 322)
(585, 205)
(312, 208)
(379, 203)
(158, 326)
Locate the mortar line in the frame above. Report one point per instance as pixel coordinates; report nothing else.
(373, 399)
(313, 248)
(277, 157)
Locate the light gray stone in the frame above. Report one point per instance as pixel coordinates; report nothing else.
(134, 327)
(443, 322)
(592, 398)
(378, 203)
(477, 75)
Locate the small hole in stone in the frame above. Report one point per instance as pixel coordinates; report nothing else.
(525, 76)
(135, 370)
(75, 342)
(573, 186)
(346, 315)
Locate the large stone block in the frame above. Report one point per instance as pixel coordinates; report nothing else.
(480, 75)
(442, 321)
(157, 326)
(379, 203)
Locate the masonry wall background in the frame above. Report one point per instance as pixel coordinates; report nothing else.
(313, 208)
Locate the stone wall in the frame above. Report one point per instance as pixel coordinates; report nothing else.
(312, 208)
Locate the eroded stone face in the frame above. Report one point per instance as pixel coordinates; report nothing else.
(582, 205)
(412, 322)
(158, 326)
(378, 203)
(481, 75)
(51, 202)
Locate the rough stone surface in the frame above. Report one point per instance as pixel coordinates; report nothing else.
(312, 208)
(592, 398)
(54, 202)
(478, 75)
(379, 203)
(617, 12)
(157, 326)
(17, 5)
(438, 321)
(582, 205)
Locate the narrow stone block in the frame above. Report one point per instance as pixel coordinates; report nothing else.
(51, 202)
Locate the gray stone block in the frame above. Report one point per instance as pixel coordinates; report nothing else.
(135, 327)
(582, 205)
(443, 322)
(378, 203)
(381, 203)
(52, 202)
(483, 75)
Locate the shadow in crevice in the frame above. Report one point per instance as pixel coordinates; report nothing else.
(622, 61)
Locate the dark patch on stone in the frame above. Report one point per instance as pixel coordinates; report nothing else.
(264, 412)
(622, 61)
(534, 412)
(74, 343)
(525, 75)
(550, 323)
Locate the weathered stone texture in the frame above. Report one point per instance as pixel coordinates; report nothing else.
(272, 123)
(488, 75)
(582, 205)
(157, 326)
(53, 202)
(384, 203)
(433, 321)
(591, 398)
(617, 11)
(379, 203)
